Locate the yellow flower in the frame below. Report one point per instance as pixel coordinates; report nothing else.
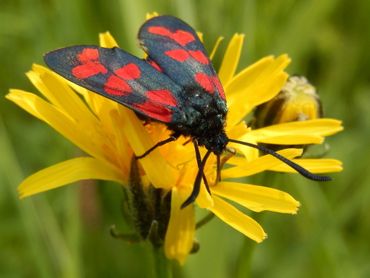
(110, 134)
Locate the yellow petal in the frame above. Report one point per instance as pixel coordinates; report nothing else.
(262, 70)
(204, 199)
(84, 139)
(238, 130)
(181, 228)
(107, 40)
(243, 168)
(40, 70)
(67, 172)
(255, 85)
(113, 140)
(293, 140)
(249, 153)
(215, 47)
(151, 15)
(25, 100)
(121, 148)
(79, 111)
(257, 198)
(248, 75)
(238, 220)
(154, 164)
(200, 35)
(321, 165)
(300, 132)
(231, 59)
(56, 90)
(100, 105)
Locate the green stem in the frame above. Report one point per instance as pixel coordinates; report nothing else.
(243, 266)
(204, 220)
(161, 264)
(245, 256)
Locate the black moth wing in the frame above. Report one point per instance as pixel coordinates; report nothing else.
(122, 77)
(176, 48)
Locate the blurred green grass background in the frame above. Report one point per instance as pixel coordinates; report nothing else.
(64, 233)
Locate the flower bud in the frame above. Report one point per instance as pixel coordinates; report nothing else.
(297, 101)
(146, 208)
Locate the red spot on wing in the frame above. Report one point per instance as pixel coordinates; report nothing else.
(178, 54)
(88, 54)
(90, 64)
(164, 97)
(155, 111)
(154, 65)
(116, 83)
(204, 81)
(210, 83)
(219, 87)
(182, 55)
(180, 36)
(199, 56)
(129, 72)
(87, 70)
(158, 30)
(117, 86)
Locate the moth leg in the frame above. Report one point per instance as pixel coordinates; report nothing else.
(222, 161)
(218, 175)
(186, 142)
(199, 162)
(160, 143)
(194, 194)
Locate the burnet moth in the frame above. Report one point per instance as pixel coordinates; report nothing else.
(175, 85)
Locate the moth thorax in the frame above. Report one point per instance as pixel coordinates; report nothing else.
(215, 142)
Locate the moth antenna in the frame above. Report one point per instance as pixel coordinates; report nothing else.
(304, 172)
